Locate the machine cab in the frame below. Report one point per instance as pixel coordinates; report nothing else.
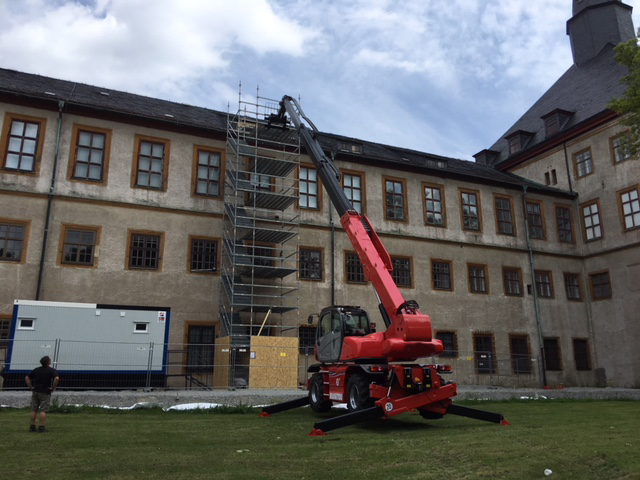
(334, 324)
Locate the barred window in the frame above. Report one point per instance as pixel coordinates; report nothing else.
(203, 255)
(450, 343)
(520, 354)
(355, 270)
(306, 339)
(200, 349)
(484, 353)
(5, 329)
(401, 273)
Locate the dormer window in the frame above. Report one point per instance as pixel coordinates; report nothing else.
(518, 141)
(432, 163)
(555, 121)
(486, 157)
(350, 147)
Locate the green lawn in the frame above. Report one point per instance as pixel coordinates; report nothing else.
(575, 439)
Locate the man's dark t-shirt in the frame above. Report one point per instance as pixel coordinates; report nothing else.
(41, 379)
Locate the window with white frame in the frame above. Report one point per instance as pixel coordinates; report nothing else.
(308, 189)
(26, 323)
(630, 207)
(591, 221)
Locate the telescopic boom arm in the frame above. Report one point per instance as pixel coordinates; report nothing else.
(408, 335)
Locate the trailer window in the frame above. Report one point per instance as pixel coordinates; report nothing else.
(140, 327)
(26, 324)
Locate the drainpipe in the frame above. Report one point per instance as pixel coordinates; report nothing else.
(543, 373)
(566, 162)
(52, 187)
(333, 256)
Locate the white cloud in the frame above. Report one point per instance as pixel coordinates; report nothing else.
(445, 76)
(144, 46)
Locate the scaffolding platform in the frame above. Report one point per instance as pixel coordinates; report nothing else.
(260, 291)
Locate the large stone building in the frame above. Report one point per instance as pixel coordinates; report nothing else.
(527, 260)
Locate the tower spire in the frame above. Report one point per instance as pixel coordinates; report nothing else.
(596, 23)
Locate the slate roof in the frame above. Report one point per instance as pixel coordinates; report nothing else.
(436, 165)
(102, 99)
(585, 90)
(36, 86)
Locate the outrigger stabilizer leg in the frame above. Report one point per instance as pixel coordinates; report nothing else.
(284, 406)
(320, 428)
(477, 414)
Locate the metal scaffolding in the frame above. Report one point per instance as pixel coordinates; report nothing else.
(261, 227)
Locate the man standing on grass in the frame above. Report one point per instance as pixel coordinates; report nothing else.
(42, 381)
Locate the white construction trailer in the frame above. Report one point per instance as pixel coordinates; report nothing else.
(91, 345)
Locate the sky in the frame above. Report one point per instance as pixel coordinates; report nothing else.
(447, 77)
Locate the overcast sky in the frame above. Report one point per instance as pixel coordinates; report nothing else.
(447, 77)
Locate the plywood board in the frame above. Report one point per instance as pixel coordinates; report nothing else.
(273, 362)
(222, 360)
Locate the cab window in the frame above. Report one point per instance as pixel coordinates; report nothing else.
(324, 324)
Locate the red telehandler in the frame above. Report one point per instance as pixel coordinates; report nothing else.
(366, 369)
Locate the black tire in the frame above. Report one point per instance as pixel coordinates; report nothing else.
(429, 415)
(316, 394)
(358, 392)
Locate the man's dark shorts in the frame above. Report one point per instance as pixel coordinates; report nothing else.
(40, 401)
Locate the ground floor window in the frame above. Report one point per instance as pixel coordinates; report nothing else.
(520, 354)
(581, 354)
(200, 348)
(307, 339)
(5, 328)
(552, 359)
(484, 353)
(450, 343)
